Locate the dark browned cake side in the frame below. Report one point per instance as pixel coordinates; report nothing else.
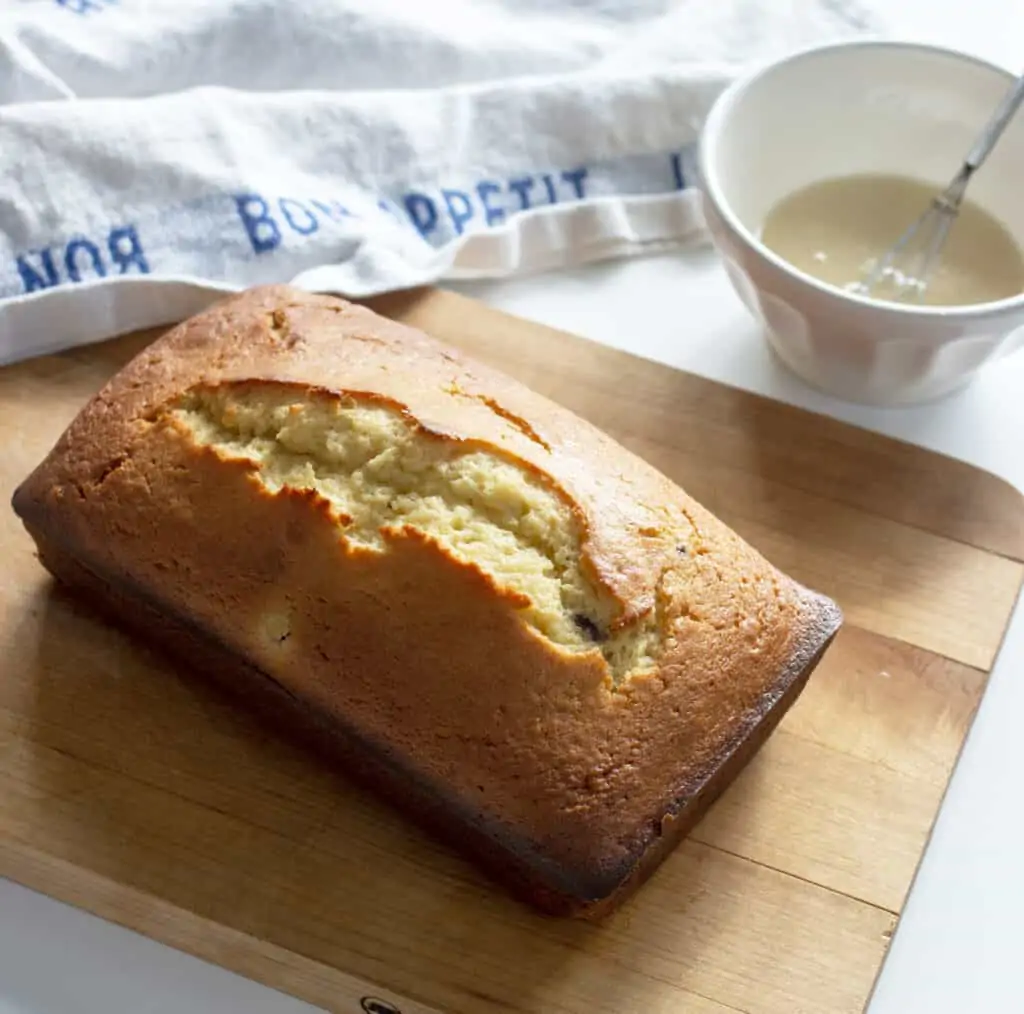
(527, 638)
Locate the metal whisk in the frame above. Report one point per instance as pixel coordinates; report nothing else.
(906, 268)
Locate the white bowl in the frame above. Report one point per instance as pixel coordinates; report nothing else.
(860, 107)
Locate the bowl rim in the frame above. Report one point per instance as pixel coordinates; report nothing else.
(708, 176)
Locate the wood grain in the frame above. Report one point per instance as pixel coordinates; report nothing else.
(134, 790)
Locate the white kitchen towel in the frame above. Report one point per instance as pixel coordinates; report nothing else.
(154, 153)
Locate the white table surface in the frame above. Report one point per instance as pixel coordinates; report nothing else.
(960, 944)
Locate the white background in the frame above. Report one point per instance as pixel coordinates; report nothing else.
(961, 941)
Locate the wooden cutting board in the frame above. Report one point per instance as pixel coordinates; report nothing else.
(148, 799)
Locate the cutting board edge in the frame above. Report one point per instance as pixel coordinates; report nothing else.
(158, 919)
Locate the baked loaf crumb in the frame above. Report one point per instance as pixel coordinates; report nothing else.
(517, 630)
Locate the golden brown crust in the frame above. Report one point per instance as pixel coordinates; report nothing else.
(524, 749)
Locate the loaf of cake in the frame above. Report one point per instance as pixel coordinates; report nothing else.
(527, 638)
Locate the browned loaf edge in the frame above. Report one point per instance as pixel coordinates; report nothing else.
(410, 665)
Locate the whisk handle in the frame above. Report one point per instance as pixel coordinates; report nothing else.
(996, 125)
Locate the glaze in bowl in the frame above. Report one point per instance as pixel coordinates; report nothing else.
(860, 107)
